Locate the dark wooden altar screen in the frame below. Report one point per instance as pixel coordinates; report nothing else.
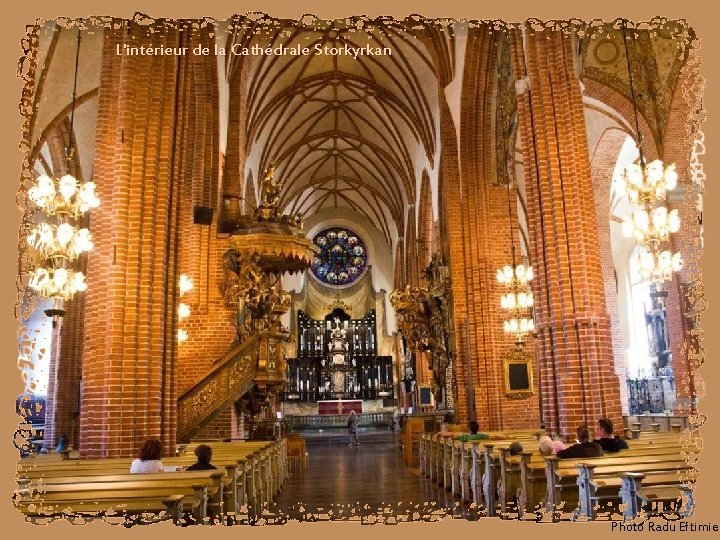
(367, 375)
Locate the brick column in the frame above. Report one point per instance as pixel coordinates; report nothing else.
(130, 348)
(65, 366)
(477, 231)
(573, 338)
(680, 136)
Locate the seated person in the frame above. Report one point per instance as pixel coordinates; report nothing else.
(474, 434)
(549, 447)
(149, 460)
(204, 455)
(585, 448)
(516, 449)
(606, 438)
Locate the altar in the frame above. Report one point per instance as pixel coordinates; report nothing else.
(339, 406)
(337, 361)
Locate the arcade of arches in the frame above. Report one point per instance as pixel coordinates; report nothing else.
(342, 214)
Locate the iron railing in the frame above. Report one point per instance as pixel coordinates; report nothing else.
(653, 395)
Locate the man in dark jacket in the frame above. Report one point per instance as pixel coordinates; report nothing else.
(606, 438)
(585, 448)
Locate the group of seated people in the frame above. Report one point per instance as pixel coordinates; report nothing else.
(584, 447)
(150, 460)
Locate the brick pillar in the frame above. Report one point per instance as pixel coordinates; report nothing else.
(680, 139)
(412, 270)
(65, 375)
(573, 338)
(477, 231)
(130, 347)
(65, 366)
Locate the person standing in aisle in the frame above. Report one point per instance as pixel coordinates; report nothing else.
(352, 429)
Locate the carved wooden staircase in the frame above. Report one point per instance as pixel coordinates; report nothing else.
(227, 381)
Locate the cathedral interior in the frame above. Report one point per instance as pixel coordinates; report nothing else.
(237, 227)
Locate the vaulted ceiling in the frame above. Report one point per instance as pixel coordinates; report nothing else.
(343, 131)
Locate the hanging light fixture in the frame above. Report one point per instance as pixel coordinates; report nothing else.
(647, 185)
(517, 300)
(185, 285)
(57, 241)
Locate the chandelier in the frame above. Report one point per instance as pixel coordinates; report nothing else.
(57, 240)
(647, 185)
(517, 299)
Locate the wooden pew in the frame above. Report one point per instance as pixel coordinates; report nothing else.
(63, 500)
(600, 483)
(565, 485)
(654, 500)
(460, 466)
(265, 462)
(205, 486)
(173, 507)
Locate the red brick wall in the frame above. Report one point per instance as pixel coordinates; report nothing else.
(680, 133)
(425, 223)
(412, 271)
(574, 338)
(476, 229)
(149, 128)
(219, 428)
(211, 333)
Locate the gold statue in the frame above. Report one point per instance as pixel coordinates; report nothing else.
(270, 189)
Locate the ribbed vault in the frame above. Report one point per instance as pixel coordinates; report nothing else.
(343, 131)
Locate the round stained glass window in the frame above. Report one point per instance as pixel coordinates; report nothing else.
(342, 258)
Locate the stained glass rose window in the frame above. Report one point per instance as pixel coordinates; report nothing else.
(342, 258)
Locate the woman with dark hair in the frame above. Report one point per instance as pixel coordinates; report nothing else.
(149, 460)
(204, 455)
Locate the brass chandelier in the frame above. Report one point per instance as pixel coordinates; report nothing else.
(517, 299)
(58, 240)
(647, 185)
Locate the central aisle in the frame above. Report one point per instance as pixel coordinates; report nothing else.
(345, 482)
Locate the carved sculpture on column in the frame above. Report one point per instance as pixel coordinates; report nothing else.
(437, 276)
(423, 320)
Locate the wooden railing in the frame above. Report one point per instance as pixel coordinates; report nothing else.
(224, 384)
(312, 421)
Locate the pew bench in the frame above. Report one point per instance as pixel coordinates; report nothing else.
(148, 509)
(250, 483)
(184, 483)
(601, 485)
(117, 502)
(562, 476)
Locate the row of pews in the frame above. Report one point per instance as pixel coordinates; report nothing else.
(652, 476)
(249, 476)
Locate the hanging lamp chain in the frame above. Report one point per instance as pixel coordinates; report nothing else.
(510, 223)
(69, 150)
(638, 137)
